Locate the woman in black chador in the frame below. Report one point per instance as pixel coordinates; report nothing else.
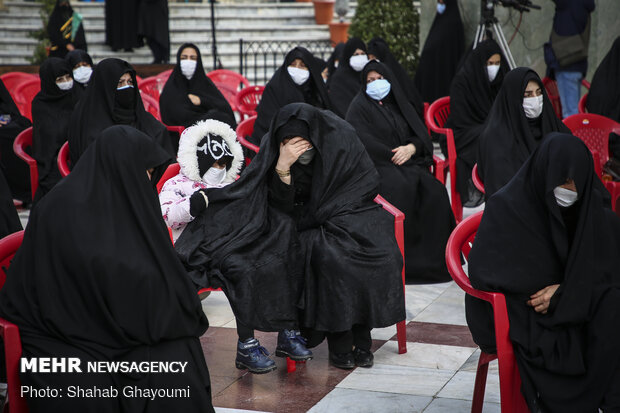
(549, 241)
(14, 169)
(442, 52)
(153, 25)
(300, 235)
(399, 145)
(521, 115)
(110, 288)
(51, 111)
(346, 80)
(112, 98)
(189, 95)
(472, 93)
(121, 24)
(66, 32)
(378, 49)
(297, 80)
(82, 67)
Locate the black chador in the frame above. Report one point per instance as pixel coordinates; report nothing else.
(382, 126)
(121, 24)
(567, 356)
(63, 28)
(75, 57)
(319, 247)
(178, 110)
(51, 111)
(282, 90)
(153, 25)
(9, 220)
(441, 54)
(109, 287)
(103, 105)
(345, 82)
(471, 97)
(509, 136)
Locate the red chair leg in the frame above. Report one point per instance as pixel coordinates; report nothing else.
(481, 381)
(401, 334)
(291, 365)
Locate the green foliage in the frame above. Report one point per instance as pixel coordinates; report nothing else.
(40, 52)
(396, 21)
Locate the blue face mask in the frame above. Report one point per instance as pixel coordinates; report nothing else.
(441, 8)
(378, 89)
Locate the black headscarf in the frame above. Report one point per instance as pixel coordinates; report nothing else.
(525, 243)
(51, 112)
(331, 62)
(281, 90)
(99, 109)
(441, 54)
(604, 94)
(59, 29)
(9, 220)
(471, 98)
(410, 187)
(176, 108)
(379, 48)
(346, 241)
(509, 137)
(345, 82)
(73, 58)
(110, 286)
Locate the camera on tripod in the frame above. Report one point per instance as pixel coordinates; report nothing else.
(519, 5)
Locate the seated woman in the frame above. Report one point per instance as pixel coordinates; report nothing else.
(51, 111)
(82, 66)
(210, 157)
(472, 94)
(297, 80)
(65, 31)
(112, 98)
(189, 95)
(399, 145)
(549, 242)
(300, 228)
(519, 118)
(9, 220)
(346, 81)
(109, 289)
(14, 169)
(334, 60)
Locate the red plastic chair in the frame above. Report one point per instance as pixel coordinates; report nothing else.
(554, 95)
(165, 75)
(247, 100)
(594, 130)
(436, 117)
(152, 86)
(151, 106)
(13, 79)
(244, 129)
(476, 178)
(582, 104)
(64, 158)
(229, 83)
(24, 93)
(21, 142)
(509, 380)
(10, 333)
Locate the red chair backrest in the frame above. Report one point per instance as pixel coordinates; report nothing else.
(229, 78)
(594, 130)
(8, 247)
(554, 95)
(582, 104)
(13, 79)
(21, 142)
(165, 75)
(64, 159)
(152, 86)
(25, 92)
(244, 129)
(151, 106)
(437, 114)
(172, 171)
(248, 99)
(476, 178)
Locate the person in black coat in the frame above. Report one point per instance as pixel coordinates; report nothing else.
(398, 144)
(9, 220)
(51, 112)
(153, 25)
(549, 242)
(65, 30)
(521, 116)
(472, 94)
(346, 80)
(121, 24)
(189, 95)
(297, 80)
(82, 67)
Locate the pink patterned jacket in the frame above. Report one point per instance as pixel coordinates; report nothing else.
(174, 202)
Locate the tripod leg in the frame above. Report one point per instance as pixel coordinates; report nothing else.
(503, 44)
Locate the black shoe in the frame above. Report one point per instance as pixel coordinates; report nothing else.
(344, 361)
(363, 358)
(291, 344)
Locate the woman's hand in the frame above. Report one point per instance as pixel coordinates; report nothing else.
(290, 152)
(541, 300)
(403, 153)
(70, 47)
(195, 99)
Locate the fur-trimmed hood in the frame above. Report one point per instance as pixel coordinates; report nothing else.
(194, 134)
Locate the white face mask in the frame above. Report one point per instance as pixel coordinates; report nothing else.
(188, 67)
(533, 106)
(441, 8)
(299, 76)
(82, 74)
(65, 85)
(358, 62)
(378, 89)
(565, 197)
(214, 176)
(492, 72)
